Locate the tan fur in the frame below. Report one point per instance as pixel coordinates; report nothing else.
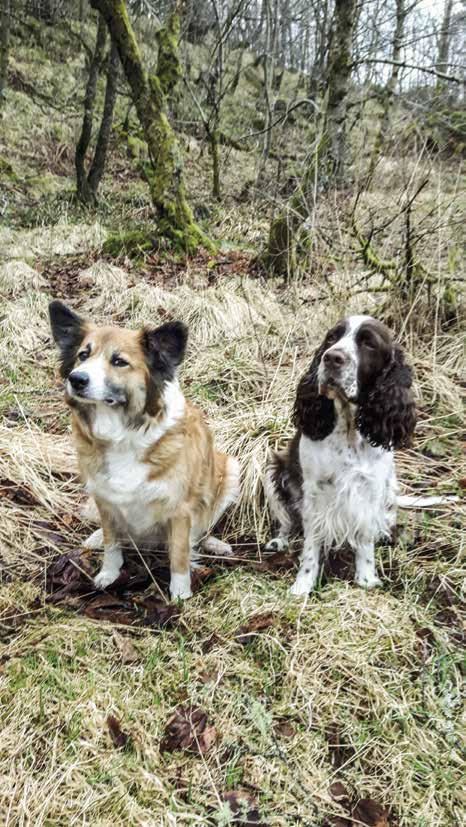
(188, 483)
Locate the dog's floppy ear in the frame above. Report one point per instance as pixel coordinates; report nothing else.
(313, 413)
(164, 348)
(387, 414)
(68, 330)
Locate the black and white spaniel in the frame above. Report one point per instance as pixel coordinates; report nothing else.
(336, 479)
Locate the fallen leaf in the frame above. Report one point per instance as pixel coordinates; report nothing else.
(284, 728)
(369, 812)
(246, 633)
(68, 574)
(462, 482)
(128, 652)
(339, 793)
(17, 493)
(119, 738)
(280, 560)
(109, 607)
(201, 575)
(188, 730)
(210, 642)
(244, 808)
(159, 613)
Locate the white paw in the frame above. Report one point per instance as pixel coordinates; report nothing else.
(367, 579)
(180, 586)
(105, 578)
(212, 545)
(303, 585)
(95, 540)
(277, 544)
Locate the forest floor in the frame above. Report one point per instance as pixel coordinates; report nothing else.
(243, 703)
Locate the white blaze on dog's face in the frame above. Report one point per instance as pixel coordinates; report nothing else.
(118, 368)
(353, 353)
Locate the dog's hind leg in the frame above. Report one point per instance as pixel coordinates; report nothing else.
(228, 495)
(272, 480)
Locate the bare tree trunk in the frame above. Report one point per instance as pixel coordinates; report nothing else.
(174, 217)
(339, 76)
(444, 42)
(4, 46)
(390, 89)
(84, 192)
(98, 164)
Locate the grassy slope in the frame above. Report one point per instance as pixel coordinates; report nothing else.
(369, 684)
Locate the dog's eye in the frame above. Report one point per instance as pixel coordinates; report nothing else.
(118, 362)
(368, 341)
(83, 355)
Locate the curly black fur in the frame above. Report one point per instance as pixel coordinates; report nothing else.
(313, 413)
(386, 414)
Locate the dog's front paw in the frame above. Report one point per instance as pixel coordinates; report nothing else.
(368, 580)
(105, 578)
(277, 544)
(95, 540)
(180, 586)
(303, 585)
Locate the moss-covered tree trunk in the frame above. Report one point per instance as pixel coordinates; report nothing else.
(98, 163)
(339, 76)
(84, 191)
(149, 93)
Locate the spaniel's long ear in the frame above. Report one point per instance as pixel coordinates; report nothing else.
(313, 414)
(386, 414)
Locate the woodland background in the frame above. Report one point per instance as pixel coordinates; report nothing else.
(258, 168)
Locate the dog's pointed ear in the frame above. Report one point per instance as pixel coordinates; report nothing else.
(164, 348)
(68, 331)
(67, 326)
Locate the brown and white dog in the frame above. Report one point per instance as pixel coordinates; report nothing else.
(145, 454)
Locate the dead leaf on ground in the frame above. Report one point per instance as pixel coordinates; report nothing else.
(17, 493)
(112, 608)
(279, 561)
(210, 642)
(128, 652)
(339, 793)
(258, 623)
(68, 574)
(158, 613)
(244, 808)
(201, 575)
(284, 728)
(119, 738)
(369, 812)
(188, 730)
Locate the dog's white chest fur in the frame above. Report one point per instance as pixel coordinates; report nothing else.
(349, 488)
(123, 477)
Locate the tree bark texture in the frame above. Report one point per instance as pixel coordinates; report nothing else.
(339, 76)
(84, 191)
(444, 41)
(174, 217)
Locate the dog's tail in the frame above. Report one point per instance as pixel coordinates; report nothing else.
(408, 501)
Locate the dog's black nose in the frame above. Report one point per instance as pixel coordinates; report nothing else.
(78, 380)
(334, 358)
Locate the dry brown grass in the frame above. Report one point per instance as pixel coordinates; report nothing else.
(378, 673)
